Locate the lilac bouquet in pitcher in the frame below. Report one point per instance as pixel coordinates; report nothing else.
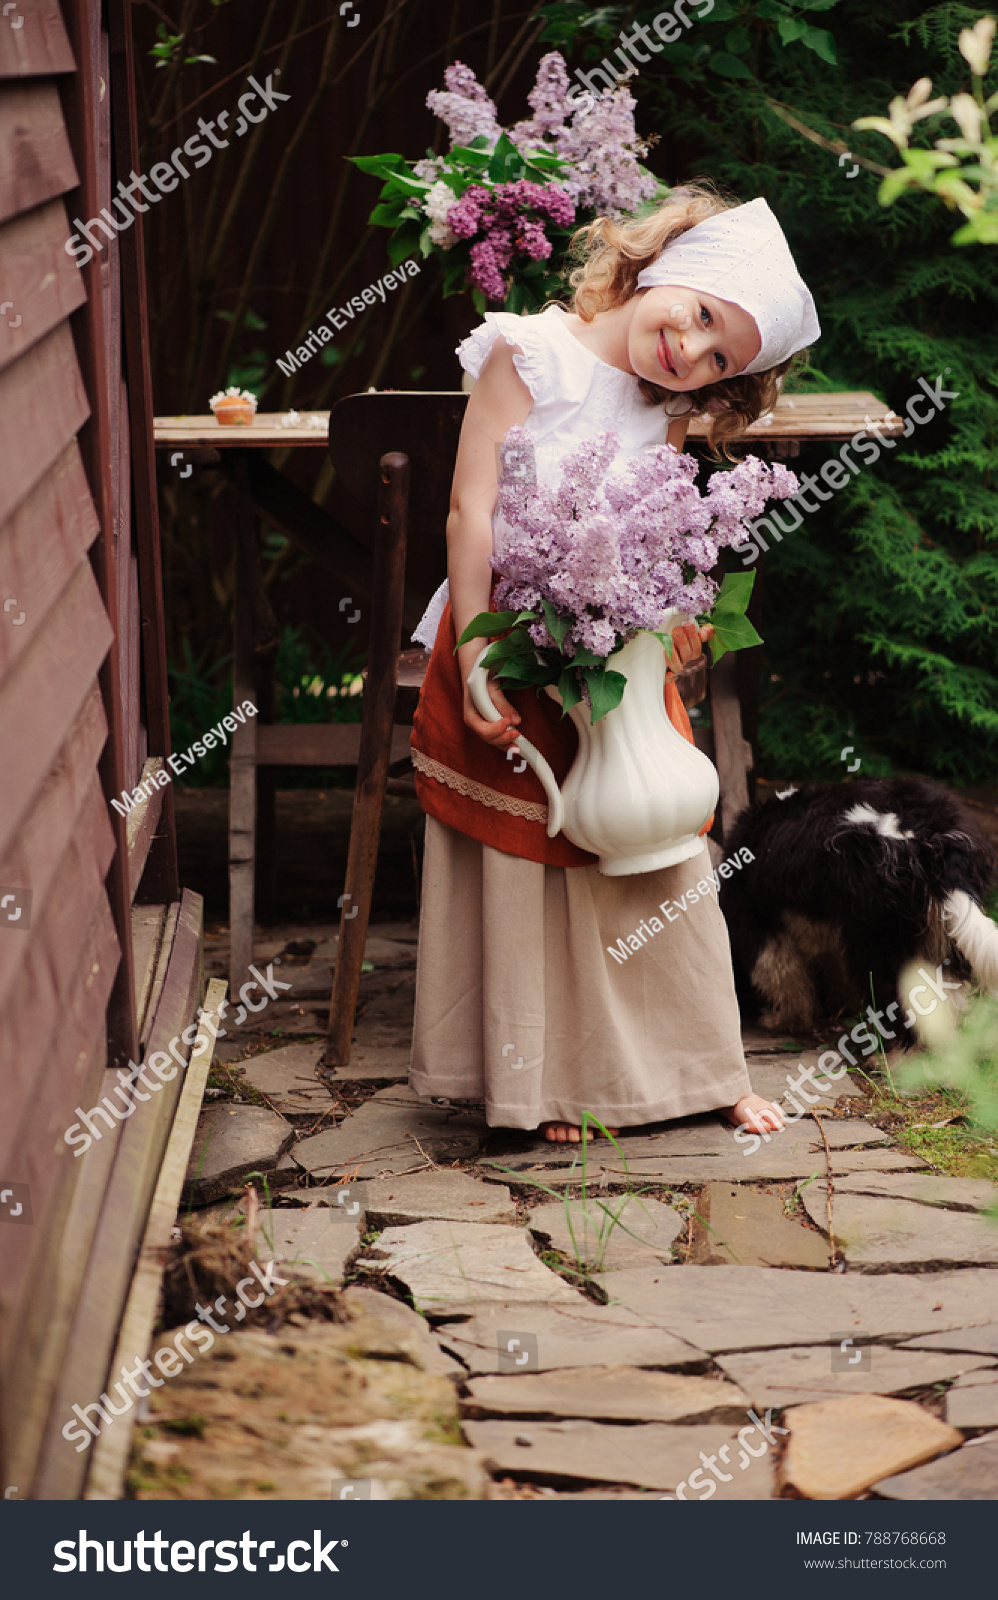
(586, 566)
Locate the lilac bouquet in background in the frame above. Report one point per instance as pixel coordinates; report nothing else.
(587, 565)
(499, 207)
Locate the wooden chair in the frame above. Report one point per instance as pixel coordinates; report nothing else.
(393, 454)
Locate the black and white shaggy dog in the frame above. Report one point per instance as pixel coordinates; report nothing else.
(849, 883)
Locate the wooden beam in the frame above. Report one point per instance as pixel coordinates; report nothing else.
(318, 744)
(124, 1212)
(141, 822)
(109, 1457)
(375, 750)
(162, 881)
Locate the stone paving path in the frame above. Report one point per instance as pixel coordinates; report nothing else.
(818, 1317)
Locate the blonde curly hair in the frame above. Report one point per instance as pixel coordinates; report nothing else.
(613, 253)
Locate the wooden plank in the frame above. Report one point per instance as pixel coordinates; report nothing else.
(43, 405)
(242, 764)
(732, 752)
(31, 1015)
(87, 111)
(33, 41)
(34, 1150)
(36, 162)
(41, 548)
(159, 972)
(36, 1324)
(317, 744)
(162, 882)
(142, 822)
(69, 800)
(141, 1142)
(41, 699)
(375, 751)
(265, 431)
(149, 924)
(40, 281)
(109, 1457)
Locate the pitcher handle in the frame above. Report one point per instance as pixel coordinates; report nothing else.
(478, 683)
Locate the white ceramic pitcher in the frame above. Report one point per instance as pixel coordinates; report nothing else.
(637, 793)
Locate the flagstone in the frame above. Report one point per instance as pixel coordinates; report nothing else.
(838, 1448)
(288, 1078)
(446, 1196)
(701, 1136)
(876, 1231)
(612, 1393)
(742, 1308)
(797, 1374)
(972, 1401)
(392, 1135)
(930, 1189)
(737, 1224)
(230, 1142)
(443, 1263)
(770, 1074)
(603, 1243)
(303, 1238)
(983, 1340)
(653, 1455)
(970, 1473)
(562, 1336)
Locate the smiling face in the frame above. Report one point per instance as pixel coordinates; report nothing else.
(681, 339)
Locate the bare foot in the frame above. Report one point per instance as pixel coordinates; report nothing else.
(754, 1112)
(567, 1133)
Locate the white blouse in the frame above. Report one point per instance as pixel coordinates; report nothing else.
(576, 395)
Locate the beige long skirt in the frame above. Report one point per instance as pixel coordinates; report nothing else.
(520, 1004)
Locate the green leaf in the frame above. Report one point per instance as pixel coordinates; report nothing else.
(735, 633)
(738, 41)
(470, 156)
(479, 301)
(735, 593)
(568, 688)
(507, 163)
(728, 66)
(792, 29)
(487, 624)
(379, 166)
(666, 642)
(586, 658)
(404, 242)
(557, 626)
(390, 215)
(524, 669)
(894, 184)
(606, 690)
(821, 42)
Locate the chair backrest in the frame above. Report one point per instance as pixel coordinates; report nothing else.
(425, 426)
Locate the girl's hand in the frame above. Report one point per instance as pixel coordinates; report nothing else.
(501, 734)
(687, 639)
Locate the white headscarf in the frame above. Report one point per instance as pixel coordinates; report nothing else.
(742, 256)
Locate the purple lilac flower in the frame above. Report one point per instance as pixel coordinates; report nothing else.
(615, 552)
(464, 106)
(500, 216)
(549, 102)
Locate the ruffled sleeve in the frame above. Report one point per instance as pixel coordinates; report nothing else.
(534, 359)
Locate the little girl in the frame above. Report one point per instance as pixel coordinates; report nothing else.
(698, 307)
